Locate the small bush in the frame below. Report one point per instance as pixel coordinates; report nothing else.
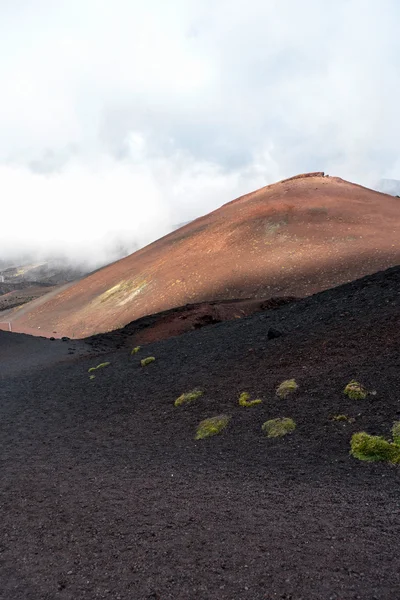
(100, 366)
(188, 397)
(374, 448)
(211, 426)
(146, 361)
(396, 432)
(355, 391)
(278, 427)
(343, 418)
(135, 350)
(286, 387)
(244, 400)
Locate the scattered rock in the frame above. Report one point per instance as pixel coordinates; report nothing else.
(273, 333)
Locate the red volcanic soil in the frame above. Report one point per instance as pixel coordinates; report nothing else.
(295, 237)
(176, 321)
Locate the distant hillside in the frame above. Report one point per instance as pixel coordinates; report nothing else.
(24, 281)
(48, 272)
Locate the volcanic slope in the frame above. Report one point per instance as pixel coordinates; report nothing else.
(295, 238)
(105, 493)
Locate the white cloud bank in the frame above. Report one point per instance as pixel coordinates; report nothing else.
(120, 119)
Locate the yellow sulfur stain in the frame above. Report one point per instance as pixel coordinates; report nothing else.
(123, 292)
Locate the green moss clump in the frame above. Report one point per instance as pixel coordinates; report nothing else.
(100, 366)
(396, 432)
(135, 350)
(278, 427)
(211, 426)
(244, 400)
(188, 397)
(343, 418)
(374, 448)
(146, 361)
(286, 387)
(355, 391)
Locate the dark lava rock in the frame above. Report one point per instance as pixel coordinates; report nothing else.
(273, 333)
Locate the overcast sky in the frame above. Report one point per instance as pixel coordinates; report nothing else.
(122, 118)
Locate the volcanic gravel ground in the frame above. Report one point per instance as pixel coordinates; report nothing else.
(106, 494)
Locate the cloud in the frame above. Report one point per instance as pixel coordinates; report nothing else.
(95, 211)
(120, 120)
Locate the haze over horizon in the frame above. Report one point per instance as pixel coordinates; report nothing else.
(120, 120)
